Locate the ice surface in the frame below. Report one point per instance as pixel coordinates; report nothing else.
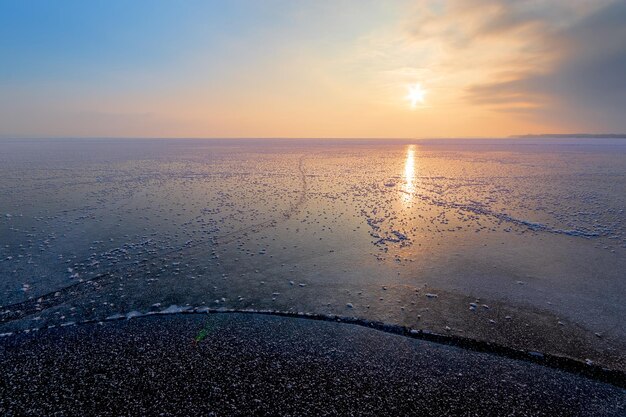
(529, 234)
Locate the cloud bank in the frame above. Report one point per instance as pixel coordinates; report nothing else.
(575, 70)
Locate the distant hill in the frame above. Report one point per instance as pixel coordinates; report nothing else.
(575, 135)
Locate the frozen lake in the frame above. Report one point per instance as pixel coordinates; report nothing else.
(519, 242)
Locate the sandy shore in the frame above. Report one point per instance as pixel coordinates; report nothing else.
(245, 364)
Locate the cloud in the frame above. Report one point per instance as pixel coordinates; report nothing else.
(581, 82)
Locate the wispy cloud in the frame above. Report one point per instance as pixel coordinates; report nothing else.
(557, 63)
(577, 67)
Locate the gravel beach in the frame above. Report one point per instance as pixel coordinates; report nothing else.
(248, 364)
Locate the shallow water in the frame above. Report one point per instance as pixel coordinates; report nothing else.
(520, 242)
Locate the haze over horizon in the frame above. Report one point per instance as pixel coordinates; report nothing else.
(366, 69)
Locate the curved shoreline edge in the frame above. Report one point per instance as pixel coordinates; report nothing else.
(567, 364)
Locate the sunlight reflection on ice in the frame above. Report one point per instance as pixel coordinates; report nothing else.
(409, 175)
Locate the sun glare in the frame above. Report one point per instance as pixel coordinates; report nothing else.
(416, 95)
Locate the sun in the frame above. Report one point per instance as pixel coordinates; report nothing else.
(416, 95)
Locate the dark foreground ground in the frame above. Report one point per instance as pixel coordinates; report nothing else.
(249, 364)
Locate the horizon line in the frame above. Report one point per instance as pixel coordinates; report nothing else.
(516, 136)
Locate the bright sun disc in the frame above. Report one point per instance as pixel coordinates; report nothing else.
(416, 95)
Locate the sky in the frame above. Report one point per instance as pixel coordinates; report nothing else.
(315, 68)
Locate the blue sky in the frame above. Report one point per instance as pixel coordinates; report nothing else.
(57, 39)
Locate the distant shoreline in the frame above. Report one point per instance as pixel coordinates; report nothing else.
(573, 135)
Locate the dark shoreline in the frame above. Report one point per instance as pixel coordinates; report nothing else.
(243, 364)
(563, 363)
